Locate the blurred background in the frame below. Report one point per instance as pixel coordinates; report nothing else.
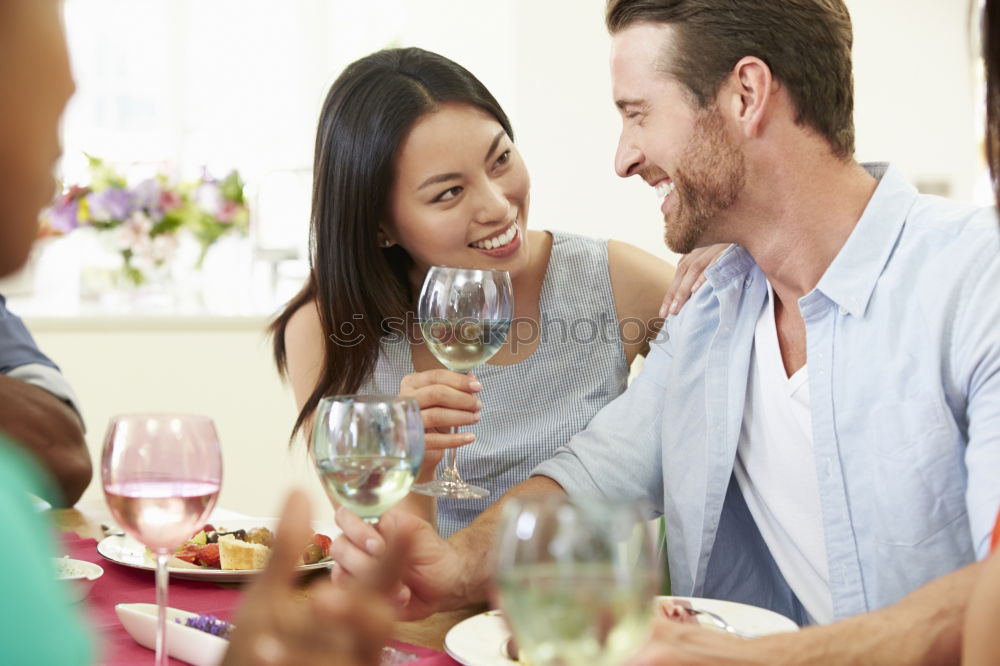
(183, 88)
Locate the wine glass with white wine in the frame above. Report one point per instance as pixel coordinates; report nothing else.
(367, 450)
(465, 315)
(576, 579)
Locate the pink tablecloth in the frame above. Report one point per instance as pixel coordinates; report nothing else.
(121, 584)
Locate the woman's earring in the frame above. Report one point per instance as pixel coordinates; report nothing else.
(386, 243)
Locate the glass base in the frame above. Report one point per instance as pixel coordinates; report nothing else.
(452, 489)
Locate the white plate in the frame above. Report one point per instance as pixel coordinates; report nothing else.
(127, 551)
(183, 642)
(481, 639)
(79, 575)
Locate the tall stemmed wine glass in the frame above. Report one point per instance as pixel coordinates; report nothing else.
(576, 579)
(367, 450)
(464, 315)
(161, 475)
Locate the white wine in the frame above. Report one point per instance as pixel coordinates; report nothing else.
(579, 614)
(464, 344)
(368, 485)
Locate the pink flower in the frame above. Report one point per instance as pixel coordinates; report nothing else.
(170, 200)
(74, 193)
(135, 231)
(227, 211)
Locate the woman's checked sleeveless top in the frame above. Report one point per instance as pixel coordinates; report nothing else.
(534, 406)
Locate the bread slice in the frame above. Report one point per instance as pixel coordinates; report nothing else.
(236, 554)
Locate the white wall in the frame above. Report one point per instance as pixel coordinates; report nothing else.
(915, 90)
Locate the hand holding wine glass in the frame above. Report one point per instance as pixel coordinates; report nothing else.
(465, 315)
(367, 450)
(447, 400)
(576, 579)
(161, 475)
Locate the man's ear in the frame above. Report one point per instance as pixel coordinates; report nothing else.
(746, 95)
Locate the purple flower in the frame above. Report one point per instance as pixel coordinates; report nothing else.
(63, 216)
(206, 177)
(146, 195)
(110, 204)
(210, 625)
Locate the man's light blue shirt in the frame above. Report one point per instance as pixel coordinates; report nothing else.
(903, 345)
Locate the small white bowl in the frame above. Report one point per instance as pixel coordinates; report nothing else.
(183, 642)
(80, 575)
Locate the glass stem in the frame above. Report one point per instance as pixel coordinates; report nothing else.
(450, 472)
(161, 608)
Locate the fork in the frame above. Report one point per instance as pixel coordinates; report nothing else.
(112, 530)
(716, 620)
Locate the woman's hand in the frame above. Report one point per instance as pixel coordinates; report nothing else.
(689, 276)
(447, 400)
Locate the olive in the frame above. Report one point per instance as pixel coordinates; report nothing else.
(312, 555)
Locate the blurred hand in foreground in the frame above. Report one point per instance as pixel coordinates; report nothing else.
(278, 623)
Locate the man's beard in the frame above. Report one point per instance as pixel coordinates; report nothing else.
(709, 179)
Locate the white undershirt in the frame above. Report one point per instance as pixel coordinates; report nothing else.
(776, 469)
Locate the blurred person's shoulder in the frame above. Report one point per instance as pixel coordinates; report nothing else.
(37, 606)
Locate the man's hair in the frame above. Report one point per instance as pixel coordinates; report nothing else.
(806, 43)
(991, 57)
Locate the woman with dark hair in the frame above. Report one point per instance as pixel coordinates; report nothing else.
(415, 166)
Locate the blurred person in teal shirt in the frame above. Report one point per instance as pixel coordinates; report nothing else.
(38, 625)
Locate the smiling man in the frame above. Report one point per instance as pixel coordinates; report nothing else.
(820, 425)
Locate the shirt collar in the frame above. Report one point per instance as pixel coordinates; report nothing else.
(850, 279)
(732, 264)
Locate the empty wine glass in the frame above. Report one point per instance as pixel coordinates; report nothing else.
(161, 475)
(367, 450)
(576, 579)
(464, 315)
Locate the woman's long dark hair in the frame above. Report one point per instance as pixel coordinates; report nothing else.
(355, 284)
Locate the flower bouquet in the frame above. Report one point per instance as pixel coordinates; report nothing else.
(142, 221)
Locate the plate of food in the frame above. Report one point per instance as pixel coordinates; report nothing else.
(228, 552)
(484, 639)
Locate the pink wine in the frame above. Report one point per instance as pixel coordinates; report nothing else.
(161, 513)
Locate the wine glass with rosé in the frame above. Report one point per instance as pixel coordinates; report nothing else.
(161, 475)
